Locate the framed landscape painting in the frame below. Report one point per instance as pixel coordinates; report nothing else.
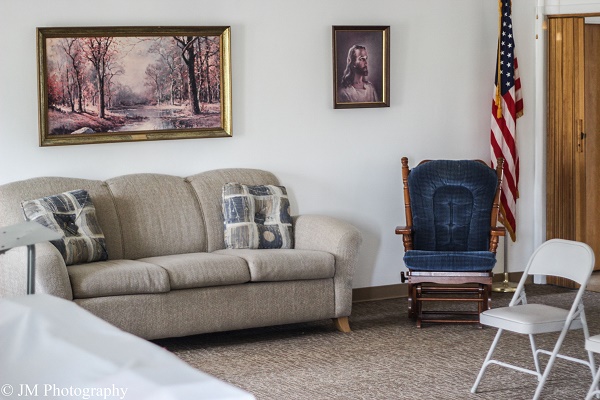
(118, 84)
(361, 66)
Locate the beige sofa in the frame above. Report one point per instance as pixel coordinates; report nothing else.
(168, 273)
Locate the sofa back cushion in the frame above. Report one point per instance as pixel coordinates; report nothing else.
(14, 193)
(159, 215)
(208, 186)
(72, 215)
(257, 217)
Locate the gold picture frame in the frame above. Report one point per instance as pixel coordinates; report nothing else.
(361, 66)
(121, 84)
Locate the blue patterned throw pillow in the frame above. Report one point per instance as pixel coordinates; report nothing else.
(73, 215)
(257, 217)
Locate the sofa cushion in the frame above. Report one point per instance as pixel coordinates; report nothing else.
(12, 194)
(257, 217)
(208, 187)
(285, 264)
(73, 215)
(117, 277)
(159, 215)
(194, 270)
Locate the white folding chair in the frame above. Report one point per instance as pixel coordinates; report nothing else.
(593, 344)
(557, 257)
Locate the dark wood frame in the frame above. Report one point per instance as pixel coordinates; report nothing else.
(448, 286)
(341, 37)
(222, 127)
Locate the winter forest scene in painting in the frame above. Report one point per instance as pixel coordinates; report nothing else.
(123, 84)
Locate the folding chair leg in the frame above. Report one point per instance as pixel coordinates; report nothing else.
(586, 334)
(486, 361)
(540, 386)
(594, 388)
(536, 360)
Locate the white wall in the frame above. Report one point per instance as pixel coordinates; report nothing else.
(344, 163)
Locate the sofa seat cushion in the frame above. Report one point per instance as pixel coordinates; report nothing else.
(117, 277)
(269, 265)
(195, 270)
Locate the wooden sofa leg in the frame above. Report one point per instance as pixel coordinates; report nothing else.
(342, 324)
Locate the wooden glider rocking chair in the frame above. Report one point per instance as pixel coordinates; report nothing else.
(450, 238)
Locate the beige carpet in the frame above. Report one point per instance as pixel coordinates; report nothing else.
(386, 357)
(594, 283)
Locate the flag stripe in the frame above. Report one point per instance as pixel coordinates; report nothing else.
(503, 145)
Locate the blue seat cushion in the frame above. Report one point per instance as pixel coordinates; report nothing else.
(463, 261)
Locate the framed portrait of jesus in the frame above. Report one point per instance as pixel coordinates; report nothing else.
(361, 64)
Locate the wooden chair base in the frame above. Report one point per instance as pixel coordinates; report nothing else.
(462, 287)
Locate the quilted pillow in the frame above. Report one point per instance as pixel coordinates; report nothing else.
(73, 215)
(257, 217)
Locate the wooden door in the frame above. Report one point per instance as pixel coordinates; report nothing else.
(565, 200)
(592, 137)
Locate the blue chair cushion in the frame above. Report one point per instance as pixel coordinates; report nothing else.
(463, 261)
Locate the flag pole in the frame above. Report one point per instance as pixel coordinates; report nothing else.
(498, 95)
(508, 102)
(505, 286)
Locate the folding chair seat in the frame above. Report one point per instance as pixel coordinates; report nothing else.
(556, 257)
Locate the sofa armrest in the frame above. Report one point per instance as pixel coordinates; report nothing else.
(315, 232)
(51, 274)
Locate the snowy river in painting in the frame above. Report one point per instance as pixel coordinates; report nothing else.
(151, 118)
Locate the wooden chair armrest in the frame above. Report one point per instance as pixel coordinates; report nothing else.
(498, 231)
(495, 233)
(406, 231)
(403, 230)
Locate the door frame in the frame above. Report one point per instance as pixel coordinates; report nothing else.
(544, 9)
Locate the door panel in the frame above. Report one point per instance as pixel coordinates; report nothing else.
(592, 137)
(565, 212)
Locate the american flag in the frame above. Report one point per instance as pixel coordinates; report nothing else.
(507, 106)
